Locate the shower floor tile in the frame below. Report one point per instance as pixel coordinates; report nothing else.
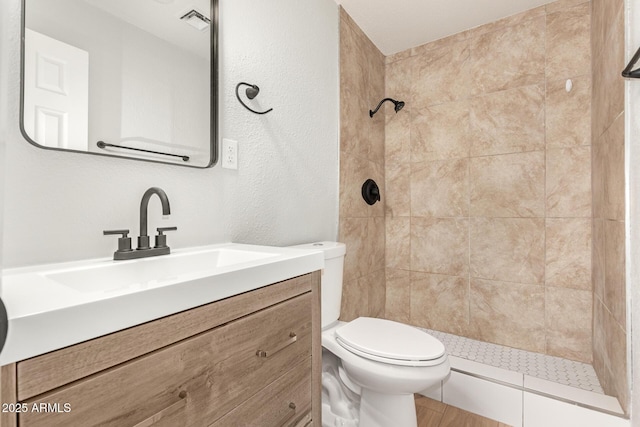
(550, 368)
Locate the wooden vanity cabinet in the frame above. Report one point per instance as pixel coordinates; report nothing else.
(250, 360)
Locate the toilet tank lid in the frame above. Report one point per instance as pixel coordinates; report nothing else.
(330, 249)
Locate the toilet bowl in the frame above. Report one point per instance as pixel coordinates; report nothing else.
(382, 361)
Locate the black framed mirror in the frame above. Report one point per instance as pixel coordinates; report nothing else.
(134, 79)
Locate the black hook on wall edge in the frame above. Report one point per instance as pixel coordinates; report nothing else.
(629, 72)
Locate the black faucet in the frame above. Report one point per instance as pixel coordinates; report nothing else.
(144, 250)
(143, 239)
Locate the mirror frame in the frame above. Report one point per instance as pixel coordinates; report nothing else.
(213, 123)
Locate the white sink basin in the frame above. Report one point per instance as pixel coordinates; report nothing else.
(150, 272)
(57, 305)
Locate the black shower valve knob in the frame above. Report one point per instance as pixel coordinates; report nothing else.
(370, 192)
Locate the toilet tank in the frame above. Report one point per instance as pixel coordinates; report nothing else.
(331, 284)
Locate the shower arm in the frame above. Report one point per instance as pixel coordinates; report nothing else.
(371, 113)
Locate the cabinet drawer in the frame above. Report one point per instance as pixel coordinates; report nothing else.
(214, 371)
(56, 369)
(284, 402)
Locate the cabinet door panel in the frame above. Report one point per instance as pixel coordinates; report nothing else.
(285, 402)
(217, 370)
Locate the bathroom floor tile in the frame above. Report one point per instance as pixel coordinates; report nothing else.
(427, 417)
(432, 405)
(432, 413)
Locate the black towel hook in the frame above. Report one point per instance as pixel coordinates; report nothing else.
(251, 92)
(629, 72)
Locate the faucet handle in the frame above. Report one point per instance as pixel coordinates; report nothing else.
(124, 242)
(161, 239)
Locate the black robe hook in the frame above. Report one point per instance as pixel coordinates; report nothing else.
(251, 92)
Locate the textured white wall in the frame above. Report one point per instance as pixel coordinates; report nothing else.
(285, 191)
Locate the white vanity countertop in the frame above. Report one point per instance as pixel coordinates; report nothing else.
(57, 305)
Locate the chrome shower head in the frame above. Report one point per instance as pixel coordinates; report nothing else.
(397, 106)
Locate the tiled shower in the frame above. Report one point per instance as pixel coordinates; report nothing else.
(502, 214)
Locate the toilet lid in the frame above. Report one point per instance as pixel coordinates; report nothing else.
(385, 339)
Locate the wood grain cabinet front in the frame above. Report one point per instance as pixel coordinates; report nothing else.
(255, 370)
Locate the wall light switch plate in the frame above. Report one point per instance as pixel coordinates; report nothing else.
(229, 154)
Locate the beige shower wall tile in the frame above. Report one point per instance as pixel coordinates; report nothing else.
(508, 313)
(354, 171)
(607, 16)
(398, 242)
(504, 23)
(510, 185)
(365, 239)
(507, 58)
(398, 56)
(354, 65)
(362, 75)
(354, 123)
(440, 188)
(614, 266)
(376, 71)
(376, 139)
(608, 86)
(440, 132)
(441, 75)
(439, 44)
(569, 182)
(614, 182)
(399, 81)
(397, 188)
(568, 314)
(598, 258)
(599, 342)
(568, 115)
(507, 249)
(440, 245)
(353, 232)
(568, 253)
(375, 282)
(355, 300)
(616, 361)
(398, 295)
(563, 4)
(508, 121)
(397, 143)
(598, 161)
(568, 42)
(440, 302)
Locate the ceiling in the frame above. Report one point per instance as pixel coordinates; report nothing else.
(394, 26)
(162, 19)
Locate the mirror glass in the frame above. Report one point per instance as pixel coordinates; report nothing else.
(126, 78)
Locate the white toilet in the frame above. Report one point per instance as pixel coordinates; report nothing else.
(382, 361)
